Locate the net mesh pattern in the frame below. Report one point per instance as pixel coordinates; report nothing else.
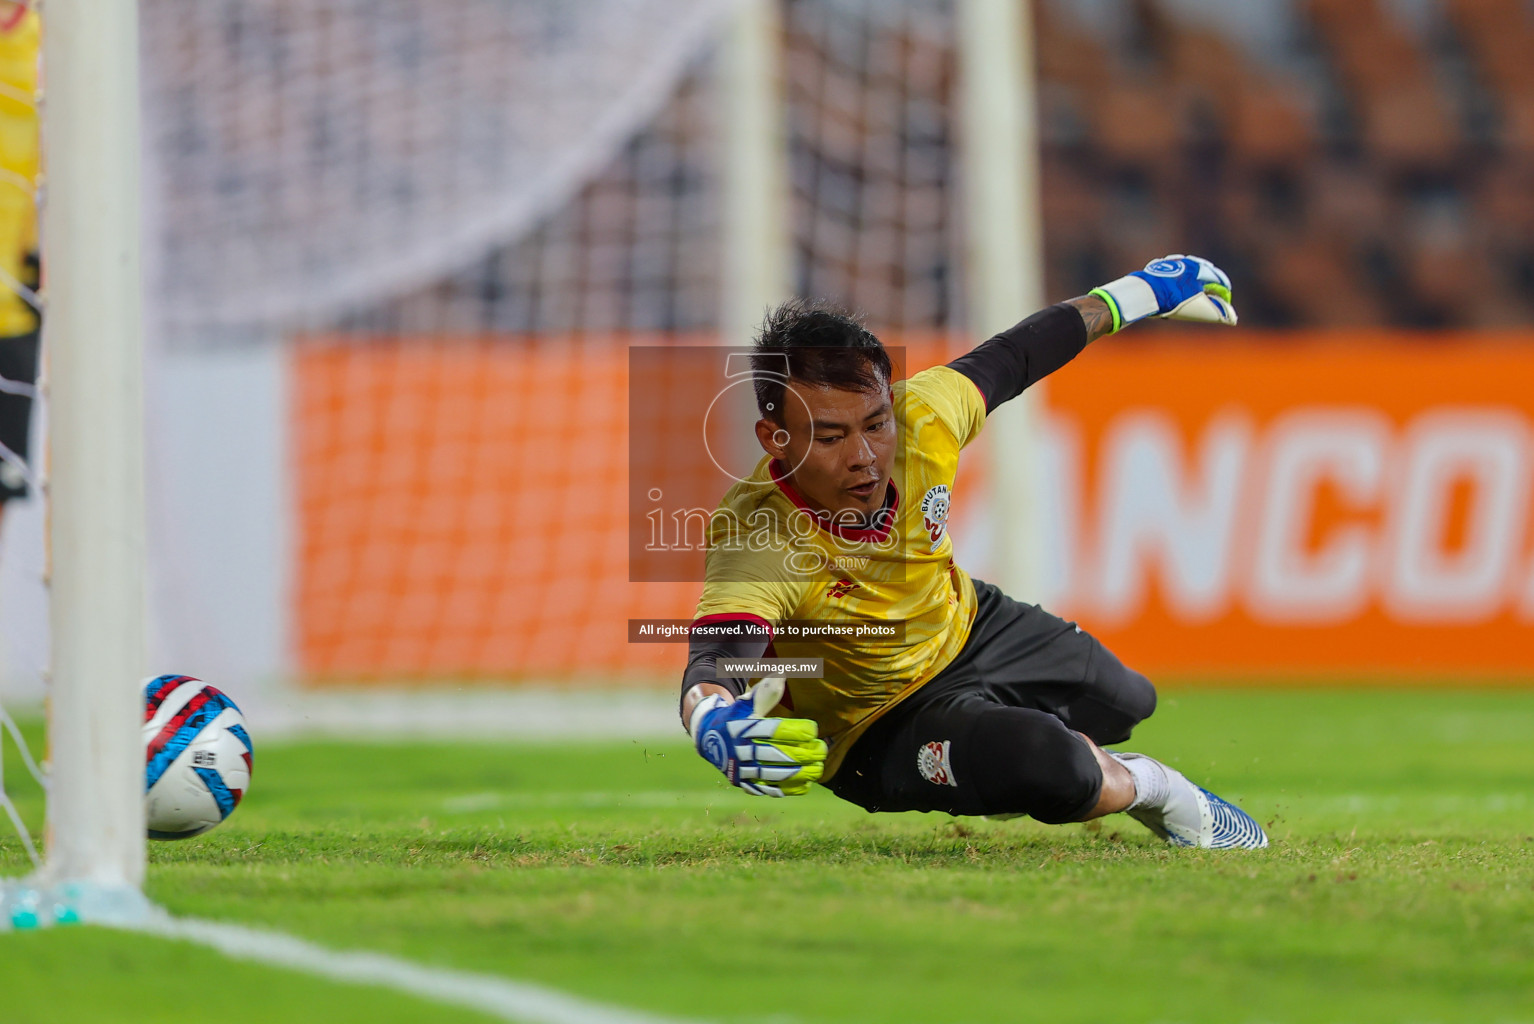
(461, 446)
(314, 160)
(458, 216)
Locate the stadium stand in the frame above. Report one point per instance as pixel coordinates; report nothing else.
(1363, 165)
(1383, 186)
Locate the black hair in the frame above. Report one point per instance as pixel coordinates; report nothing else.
(819, 345)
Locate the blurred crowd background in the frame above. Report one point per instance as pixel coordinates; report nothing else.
(1350, 162)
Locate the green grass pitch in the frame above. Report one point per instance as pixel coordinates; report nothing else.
(1400, 884)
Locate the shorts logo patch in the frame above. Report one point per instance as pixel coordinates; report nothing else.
(933, 763)
(934, 514)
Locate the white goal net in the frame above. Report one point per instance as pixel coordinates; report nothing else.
(396, 252)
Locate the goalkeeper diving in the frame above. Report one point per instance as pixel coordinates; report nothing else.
(982, 705)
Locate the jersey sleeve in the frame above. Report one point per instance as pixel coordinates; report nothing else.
(1021, 356)
(953, 397)
(748, 583)
(742, 586)
(761, 600)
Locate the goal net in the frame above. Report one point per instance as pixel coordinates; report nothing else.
(448, 223)
(397, 253)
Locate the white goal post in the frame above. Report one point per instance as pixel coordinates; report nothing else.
(758, 265)
(93, 338)
(1004, 258)
(1003, 225)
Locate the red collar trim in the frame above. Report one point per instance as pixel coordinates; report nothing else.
(15, 18)
(884, 519)
(734, 617)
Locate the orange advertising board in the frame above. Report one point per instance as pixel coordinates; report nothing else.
(1322, 503)
(462, 513)
(463, 508)
(1229, 504)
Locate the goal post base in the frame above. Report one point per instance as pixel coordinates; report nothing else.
(31, 903)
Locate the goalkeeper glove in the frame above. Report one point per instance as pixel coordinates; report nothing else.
(1174, 288)
(763, 756)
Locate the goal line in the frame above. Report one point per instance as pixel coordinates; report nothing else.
(499, 997)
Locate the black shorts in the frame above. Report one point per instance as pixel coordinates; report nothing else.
(995, 731)
(18, 363)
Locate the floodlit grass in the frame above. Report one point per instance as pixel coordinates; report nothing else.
(96, 976)
(1400, 886)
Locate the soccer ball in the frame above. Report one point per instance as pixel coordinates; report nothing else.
(197, 753)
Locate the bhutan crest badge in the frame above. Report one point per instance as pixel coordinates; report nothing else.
(934, 514)
(933, 763)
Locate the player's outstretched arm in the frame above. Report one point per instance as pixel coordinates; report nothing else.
(1172, 288)
(1096, 315)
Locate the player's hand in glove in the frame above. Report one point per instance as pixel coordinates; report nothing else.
(764, 756)
(1174, 288)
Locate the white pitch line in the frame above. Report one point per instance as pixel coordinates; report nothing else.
(498, 997)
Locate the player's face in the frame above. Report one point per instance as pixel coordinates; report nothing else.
(840, 446)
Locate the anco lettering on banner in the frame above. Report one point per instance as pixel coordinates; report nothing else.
(1334, 502)
(1297, 576)
(1440, 570)
(1158, 513)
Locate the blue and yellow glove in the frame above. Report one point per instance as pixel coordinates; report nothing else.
(1174, 288)
(763, 756)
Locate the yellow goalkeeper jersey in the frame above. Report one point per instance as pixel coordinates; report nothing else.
(771, 558)
(19, 38)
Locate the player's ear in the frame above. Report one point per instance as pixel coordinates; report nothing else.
(772, 437)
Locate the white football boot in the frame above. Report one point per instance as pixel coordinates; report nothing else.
(1193, 816)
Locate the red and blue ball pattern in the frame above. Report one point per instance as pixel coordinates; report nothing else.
(198, 756)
